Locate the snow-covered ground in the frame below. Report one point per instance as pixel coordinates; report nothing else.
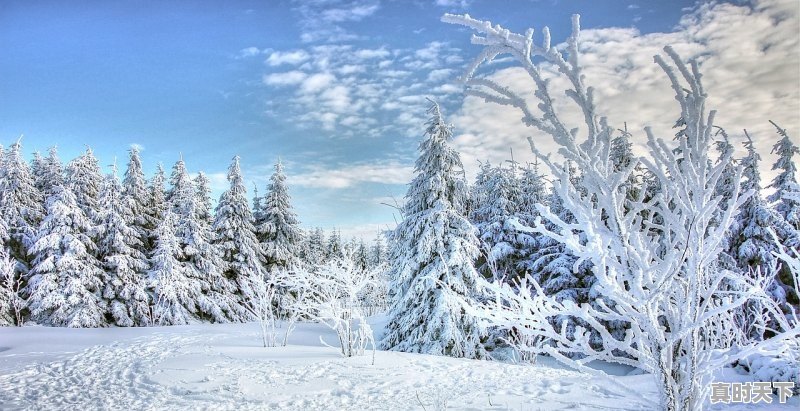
(224, 367)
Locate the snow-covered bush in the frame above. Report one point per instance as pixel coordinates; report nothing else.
(11, 303)
(654, 259)
(334, 301)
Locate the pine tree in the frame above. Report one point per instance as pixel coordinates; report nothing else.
(433, 247)
(377, 254)
(788, 206)
(66, 281)
(751, 244)
(334, 248)
(235, 236)
(174, 293)
(136, 195)
(52, 173)
(495, 206)
(119, 251)
(279, 233)
(84, 180)
(199, 258)
(315, 248)
(20, 206)
(157, 201)
(786, 202)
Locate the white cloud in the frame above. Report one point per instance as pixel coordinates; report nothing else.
(294, 57)
(354, 13)
(345, 176)
(454, 3)
(750, 59)
(284, 79)
(436, 76)
(366, 54)
(317, 82)
(248, 52)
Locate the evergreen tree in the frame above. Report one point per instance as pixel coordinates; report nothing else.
(136, 197)
(51, 174)
(433, 247)
(497, 204)
(158, 198)
(788, 206)
(279, 233)
(377, 254)
(334, 249)
(235, 236)
(119, 246)
(174, 293)
(315, 248)
(66, 281)
(751, 244)
(786, 202)
(20, 206)
(84, 180)
(199, 258)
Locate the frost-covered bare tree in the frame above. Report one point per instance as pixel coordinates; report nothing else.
(334, 300)
(659, 275)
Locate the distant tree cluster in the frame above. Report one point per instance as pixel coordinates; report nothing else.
(81, 248)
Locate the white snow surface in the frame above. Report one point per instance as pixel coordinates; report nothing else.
(224, 366)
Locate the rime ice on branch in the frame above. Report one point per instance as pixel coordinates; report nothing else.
(654, 259)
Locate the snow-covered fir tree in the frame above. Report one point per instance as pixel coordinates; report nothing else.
(377, 253)
(200, 259)
(786, 202)
(279, 233)
(83, 178)
(174, 292)
(314, 249)
(20, 205)
(51, 173)
(496, 203)
(235, 236)
(119, 247)
(431, 249)
(136, 195)
(334, 248)
(787, 191)
(66, 281)
(751, 243)
(157, 199)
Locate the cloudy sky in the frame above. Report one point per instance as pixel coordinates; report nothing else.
(337, 88)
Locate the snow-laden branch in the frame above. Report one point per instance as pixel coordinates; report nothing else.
(654, 258)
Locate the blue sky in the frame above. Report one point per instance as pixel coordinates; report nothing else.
(335, 88)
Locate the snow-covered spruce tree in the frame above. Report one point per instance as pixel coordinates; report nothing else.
(786, 201)
(49, 173)
(136, 197)
(314, 249)
(750, 243)
(83, 178)
(174, 292)
(65, 283)
(432, 250)
(119, 252)
(495, 203)
(156, 200)
(334, 248)
(666, 286)
(279, 233)
(20, 206)
(788, 206)
(200, 259)
(377, 253)
(235, 236)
